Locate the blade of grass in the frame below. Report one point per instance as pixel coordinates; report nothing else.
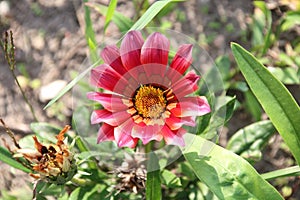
(90, 34)
(275, 99)
(267, 39)
(122, 22)
(71, 84)
(110, 13)
(290, 171)
(151, 13)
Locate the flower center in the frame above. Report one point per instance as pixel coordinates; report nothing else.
(150, 102)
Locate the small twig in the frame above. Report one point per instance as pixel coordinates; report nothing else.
(34, 189)
(10, 58)
(10, 133)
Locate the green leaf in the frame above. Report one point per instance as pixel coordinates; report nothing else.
(96, 191)
(252, 105)
(71, 85)
(258, 25)
(226, 174)
(122, 22)
(275, 99)
(110, 13)
(268, 17)
(45, 131)
(205, 192)
(151, 13)
(170, 179)
(286, 75)
(90, 34)
(6, 157)
(81, 145)
(285, 60)
(291, 20)
(186, 169)
(81, 121)
(153, 183)
(250, 140)
(223, 112)
(27, 142)
(290, 171)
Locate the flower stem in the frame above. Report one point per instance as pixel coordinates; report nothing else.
(10, 58)
(153, 182)
(148, 147)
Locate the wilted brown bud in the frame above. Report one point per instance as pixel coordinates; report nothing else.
(53, 162)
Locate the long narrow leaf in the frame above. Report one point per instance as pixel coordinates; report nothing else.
(6, 157)
(110, 13)
(249, 141)
(122, 22)
(151, 13)
(70, 85)
(153, 183)
(90, 34)
(275, 99)
(226, 174)
(290, 171)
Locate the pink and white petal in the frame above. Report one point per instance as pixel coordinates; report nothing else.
(180, 63)
(155, 49)
(146, 73)
(111, 55)
(186, 85)
(183, 58)
(177, 122)
(130, 49)
(105, 133)
(155, 72)
(173, 137)
(127, 89)
(113, 119)
(106, 77)
(110, 102)
(123, 135)
(147, 132)
(191, 106)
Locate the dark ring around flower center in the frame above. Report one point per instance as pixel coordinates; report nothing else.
(151, 104)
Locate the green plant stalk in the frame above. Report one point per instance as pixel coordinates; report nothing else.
(10, 58)
(290, 171)
(153, 182)
(82, 148)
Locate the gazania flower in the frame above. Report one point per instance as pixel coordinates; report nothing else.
(146, 97)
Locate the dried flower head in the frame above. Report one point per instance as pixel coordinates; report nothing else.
(53, 162)
(131, 175)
